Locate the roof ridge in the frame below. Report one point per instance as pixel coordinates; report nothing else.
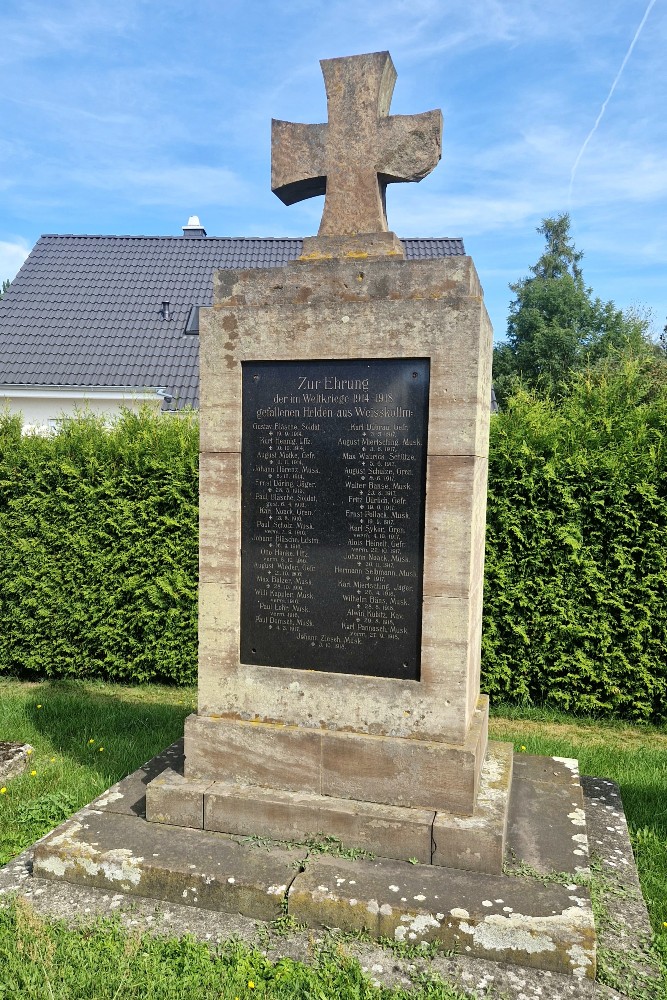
(235, 239)
(179, 239)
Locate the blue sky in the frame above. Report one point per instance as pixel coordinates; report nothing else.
(126, 117)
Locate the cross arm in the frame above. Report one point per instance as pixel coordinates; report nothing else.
(297, 160)
(410, 146)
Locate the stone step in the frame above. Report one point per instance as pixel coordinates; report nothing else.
(126, 854)
(506, 918)
(543, 811)
(392, 831)
(547, 823)
(513, 917)
(499, 917)
(477, 842)
(473, 843)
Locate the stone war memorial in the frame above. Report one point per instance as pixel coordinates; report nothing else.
(345, 406)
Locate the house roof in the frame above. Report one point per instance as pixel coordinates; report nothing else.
(87, 310)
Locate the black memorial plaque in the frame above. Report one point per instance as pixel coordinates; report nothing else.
(333, 490)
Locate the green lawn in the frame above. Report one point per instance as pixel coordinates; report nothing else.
(85, 736)
(88, 735)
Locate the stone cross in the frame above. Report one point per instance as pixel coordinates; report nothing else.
(362, 148)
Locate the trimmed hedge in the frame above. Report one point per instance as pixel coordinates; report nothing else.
(576, 565)
(98, 547)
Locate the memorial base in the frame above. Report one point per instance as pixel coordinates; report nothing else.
(518, 916)
(351, 765)
(474, 843)
(359, 246)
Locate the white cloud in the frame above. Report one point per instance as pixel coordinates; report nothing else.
(40, 29)
(414, 29)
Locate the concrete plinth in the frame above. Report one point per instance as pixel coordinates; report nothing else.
(513, 917)
(473, 843)
(385, 769)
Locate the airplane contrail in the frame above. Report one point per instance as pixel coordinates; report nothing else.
(608, 98)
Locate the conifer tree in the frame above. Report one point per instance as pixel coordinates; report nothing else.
(555, 325)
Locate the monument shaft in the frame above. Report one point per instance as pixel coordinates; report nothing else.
(341, 311)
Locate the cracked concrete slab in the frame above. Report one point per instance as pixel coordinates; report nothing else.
(499, 917)
(195, 867)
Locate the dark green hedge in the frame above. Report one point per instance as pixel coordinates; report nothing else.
(98, 549)
(576, 565)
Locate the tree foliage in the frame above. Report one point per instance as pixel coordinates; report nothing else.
(555, 324)
(3, 288)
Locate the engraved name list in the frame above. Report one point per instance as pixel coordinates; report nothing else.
(333, 493)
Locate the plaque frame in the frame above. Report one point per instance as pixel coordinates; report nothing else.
(349, 585)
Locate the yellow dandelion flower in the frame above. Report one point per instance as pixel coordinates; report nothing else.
(3, 790)
(101, 749)
(29, 751)
(251, 985)
(90, 741)
(523, 748)
(39, 706)
(53, 760)
(33, 773)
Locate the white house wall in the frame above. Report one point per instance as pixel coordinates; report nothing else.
(44, 410)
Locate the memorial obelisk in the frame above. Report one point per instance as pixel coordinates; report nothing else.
(344, 434)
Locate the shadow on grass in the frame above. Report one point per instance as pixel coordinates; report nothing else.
(645, 804)
(77, 720)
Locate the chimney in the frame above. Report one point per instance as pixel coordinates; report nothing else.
(194, 228)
